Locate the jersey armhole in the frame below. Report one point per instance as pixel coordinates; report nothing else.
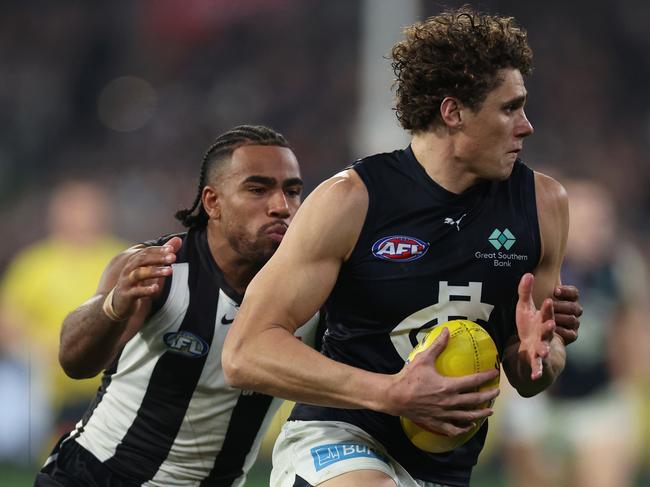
(362, 241)
(529, 203)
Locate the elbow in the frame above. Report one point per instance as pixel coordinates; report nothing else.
(234, 367)
(528, 392)
(529, 388)
(73, 368)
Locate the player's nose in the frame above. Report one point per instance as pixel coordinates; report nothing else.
(524, 128)
(278, 205)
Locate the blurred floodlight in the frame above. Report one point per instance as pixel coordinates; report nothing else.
(126, 104)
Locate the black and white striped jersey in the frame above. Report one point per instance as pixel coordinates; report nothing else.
(164, 415)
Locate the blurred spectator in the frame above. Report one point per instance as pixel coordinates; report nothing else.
(42, 284)
(634, 354)
(586, 424)
(24, 412)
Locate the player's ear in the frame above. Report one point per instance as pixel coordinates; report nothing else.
(450, 112)
(211, 201)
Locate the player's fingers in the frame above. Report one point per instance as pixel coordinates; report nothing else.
(568, 309)
(468, 383)
(472, 400)
(569, 321)
(546, 331)
(157, 255)
(543, 349)
(144, 289)
(546, 311)
(525, 289)
(437, 346)
(135, 290)
(175, 244)
(568, 336)
(536, 366)
(140, 274)
(565, 292)
(149, 282)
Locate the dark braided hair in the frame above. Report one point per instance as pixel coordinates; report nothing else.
(219, 152)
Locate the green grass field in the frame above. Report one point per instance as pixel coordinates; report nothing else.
(11, 476)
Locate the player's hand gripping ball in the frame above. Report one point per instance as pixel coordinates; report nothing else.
(470, 350)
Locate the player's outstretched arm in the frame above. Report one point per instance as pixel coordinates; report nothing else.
(261, 353)
(536, 356)
(93, 333)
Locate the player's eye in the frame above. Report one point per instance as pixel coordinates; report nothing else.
(293, 192)
(257, 190)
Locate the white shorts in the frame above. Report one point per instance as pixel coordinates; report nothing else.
(317, 451)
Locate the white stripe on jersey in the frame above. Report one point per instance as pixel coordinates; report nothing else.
(119, 406)
(205, 424)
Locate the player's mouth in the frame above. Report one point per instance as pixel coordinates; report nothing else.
(276, 231)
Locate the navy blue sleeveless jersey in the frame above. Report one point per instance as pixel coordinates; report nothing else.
(426, 256)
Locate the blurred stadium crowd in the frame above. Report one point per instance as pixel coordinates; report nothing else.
(106, 110)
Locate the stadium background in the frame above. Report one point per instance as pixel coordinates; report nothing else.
(130, 94)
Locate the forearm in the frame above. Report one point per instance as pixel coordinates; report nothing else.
(517, 368)
(276, 363)
(89, 339)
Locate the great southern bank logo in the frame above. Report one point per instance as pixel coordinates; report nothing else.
(503, 239)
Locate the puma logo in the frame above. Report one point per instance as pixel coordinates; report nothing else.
(452, 222)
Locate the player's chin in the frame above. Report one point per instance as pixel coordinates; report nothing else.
(268, 247)
(507, 165)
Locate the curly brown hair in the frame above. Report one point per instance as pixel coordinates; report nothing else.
(456, 53)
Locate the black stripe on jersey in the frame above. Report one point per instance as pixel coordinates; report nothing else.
(300, 482)
(208, 263)
(171, 384)
(245, 423)
(106, 381)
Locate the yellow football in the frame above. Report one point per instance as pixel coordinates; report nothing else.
(470, 350)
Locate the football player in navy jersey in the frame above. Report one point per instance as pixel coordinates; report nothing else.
(453, 226)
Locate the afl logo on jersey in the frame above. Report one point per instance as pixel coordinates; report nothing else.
(399, 248)
(186, 343)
